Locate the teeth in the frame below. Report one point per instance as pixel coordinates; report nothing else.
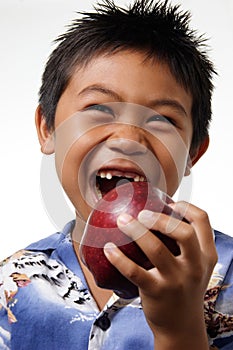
(108, 175)
(99, 194)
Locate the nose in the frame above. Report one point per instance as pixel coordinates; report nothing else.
(128, 140)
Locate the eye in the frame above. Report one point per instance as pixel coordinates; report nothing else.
(99, 114)
(160, 118)
(100, 108)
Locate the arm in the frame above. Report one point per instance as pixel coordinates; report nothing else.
(172, 292)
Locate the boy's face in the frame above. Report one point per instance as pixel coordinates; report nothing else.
(121, 116)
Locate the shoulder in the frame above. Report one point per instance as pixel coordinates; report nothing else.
(224, 247)
(18, 267)
(36, 260)
(17, 272)
(39, 270)
(222, 238)
(39, 277)
(218, 298)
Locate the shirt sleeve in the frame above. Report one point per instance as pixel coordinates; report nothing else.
(6, 316)
(219, 297)
(225, 304)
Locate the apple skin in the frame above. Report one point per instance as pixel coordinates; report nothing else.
(101, 227)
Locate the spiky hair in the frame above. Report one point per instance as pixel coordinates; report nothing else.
(157, 28)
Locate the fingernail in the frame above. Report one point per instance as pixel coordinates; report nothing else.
(124, 219)
(147, 217)
(109, 248)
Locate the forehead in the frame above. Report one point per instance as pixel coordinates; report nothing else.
(132, 74)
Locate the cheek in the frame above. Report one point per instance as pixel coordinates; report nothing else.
(173, 154)
(69, 160)
(174, 169)
(70, 154)
(71, 179)
(72, 143)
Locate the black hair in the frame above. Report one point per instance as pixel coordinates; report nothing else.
(157, 28)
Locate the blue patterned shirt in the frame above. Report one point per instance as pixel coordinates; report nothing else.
(45, 303)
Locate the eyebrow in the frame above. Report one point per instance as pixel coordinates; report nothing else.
(174, 104)
(101, 89)
(170, 103)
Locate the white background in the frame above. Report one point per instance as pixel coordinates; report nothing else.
(27, 29)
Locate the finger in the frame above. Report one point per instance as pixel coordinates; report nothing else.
(158, 254)
(199, 220)
(133, 272)
(181, 232)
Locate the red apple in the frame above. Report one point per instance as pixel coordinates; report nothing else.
(101, 228)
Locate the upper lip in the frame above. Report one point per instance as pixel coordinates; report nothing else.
(122, 167)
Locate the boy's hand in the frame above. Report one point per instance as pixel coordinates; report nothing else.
(172, 293)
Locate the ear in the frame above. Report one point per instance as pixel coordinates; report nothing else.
(45, 136)
(196, 155)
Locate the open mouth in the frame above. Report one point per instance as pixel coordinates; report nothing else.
(106, 180)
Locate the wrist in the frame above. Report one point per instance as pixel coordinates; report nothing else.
(185, 336)
(181, 342)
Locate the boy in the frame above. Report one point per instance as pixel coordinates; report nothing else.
(125, 95)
